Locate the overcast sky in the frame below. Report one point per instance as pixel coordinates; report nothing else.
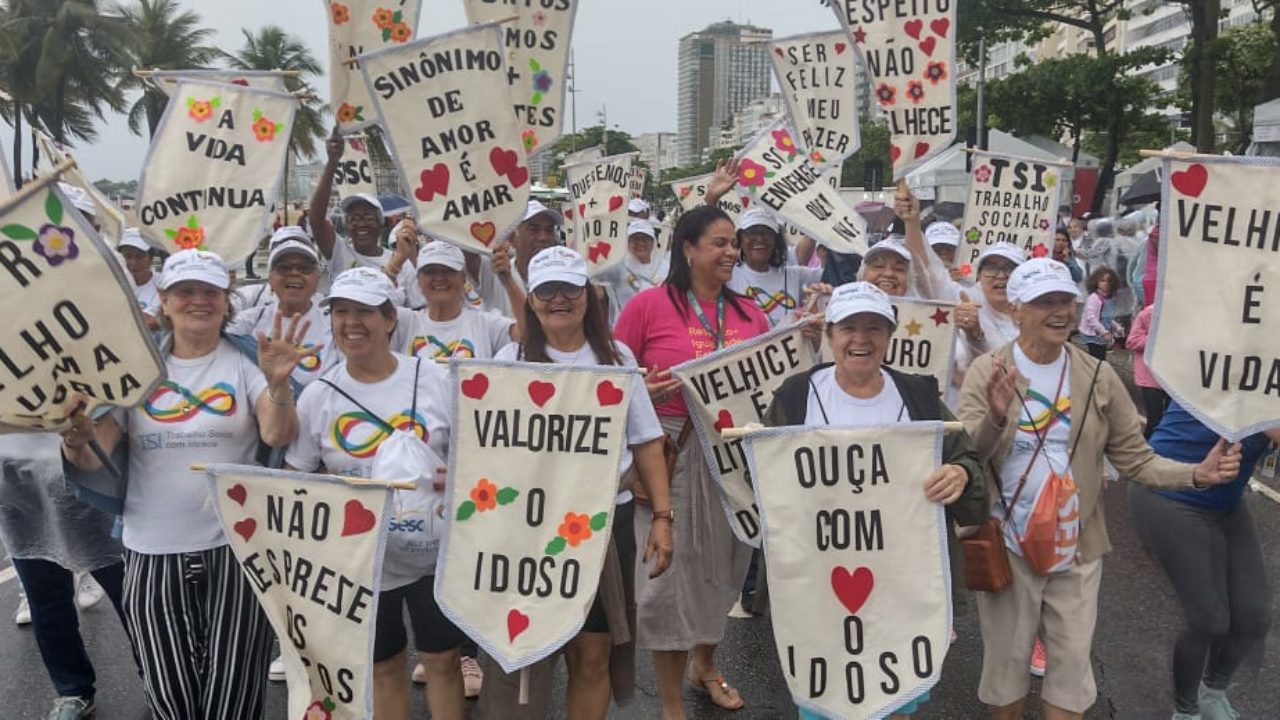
(625, 54)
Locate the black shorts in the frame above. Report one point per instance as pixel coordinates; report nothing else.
(597, 620)
(432, 631)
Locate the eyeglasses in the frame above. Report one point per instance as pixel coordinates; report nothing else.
(364, 219)
(295, 268)
(547, 291)
(996, 271)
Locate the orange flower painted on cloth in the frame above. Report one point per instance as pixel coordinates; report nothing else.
(751, 173)
(817, 157)
(340, 13)
(530, 139)
(383, 18)
(401, 33)
(484, 495)
(575, 528)
(264, 129)
(348, 113)
(189, 238)
(201, 110)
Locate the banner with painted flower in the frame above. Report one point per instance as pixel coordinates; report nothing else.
(534, 459)
(819, 77)
(165, 80)
(537, 36)
(909, 52)
(443, 103)
(1011, 199)
(774, 173)
(692, 192)
(72, 324)
(601, 191)
(110, 219)
(214, 168)
(359, 27)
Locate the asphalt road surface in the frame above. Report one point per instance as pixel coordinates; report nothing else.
(1137, 624)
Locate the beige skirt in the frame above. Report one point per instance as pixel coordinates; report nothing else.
(689, 603)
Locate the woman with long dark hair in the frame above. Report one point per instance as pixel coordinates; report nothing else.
(692, 314)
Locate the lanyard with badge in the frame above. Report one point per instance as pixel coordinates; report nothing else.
(718, 333)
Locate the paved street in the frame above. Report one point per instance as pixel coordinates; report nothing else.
(1135, 632)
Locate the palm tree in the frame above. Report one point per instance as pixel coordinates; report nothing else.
(274, 49)
(166, 37)
(58, 62)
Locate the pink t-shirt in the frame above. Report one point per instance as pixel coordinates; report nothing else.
(662, 336)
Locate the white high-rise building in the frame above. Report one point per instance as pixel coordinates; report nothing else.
(721, 69)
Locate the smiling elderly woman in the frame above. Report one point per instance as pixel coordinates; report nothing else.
(1043, 413)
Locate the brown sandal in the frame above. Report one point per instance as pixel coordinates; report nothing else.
(710, 686)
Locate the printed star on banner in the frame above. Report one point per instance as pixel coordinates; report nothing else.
(860, 36)
(913, 328)
(939, 317)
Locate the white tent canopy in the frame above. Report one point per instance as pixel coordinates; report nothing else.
(1266, 129)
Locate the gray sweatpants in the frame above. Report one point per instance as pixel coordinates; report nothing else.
(1215, 564)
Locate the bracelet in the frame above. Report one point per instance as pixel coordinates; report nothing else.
(668, 515)
(271, 395)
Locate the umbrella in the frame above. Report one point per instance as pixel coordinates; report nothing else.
(948, 210)
(1146, 189)
(393, 205)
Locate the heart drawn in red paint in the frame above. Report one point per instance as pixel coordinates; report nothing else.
(582, 209)
(746, 200)
(913, 28)
(507, 163)
(615, 202)
(895, 152)
(540, 392)
(852, 588)
(1191, 181)
(927, 45)
(921, 149)
(432, 182)
(568, 214)
(476, 386)
(517, 622)
(246, 528)
(599, 252)
(940, 26)
(608, 394)
(779, 52)
(238, 493)
(840, 48)
(484, 232)
(724, 419)
(356, 518)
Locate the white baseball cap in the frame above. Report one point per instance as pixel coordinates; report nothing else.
(366, 198)
(79, 198)
(536, 208)
(860, 297)
(365, 285)
(557, 264)
(1040, 276)
(1008, 251)
(132, 237)
(756, 217)
(893, 244)
(199, 265)
(637, 205)
(291, 239)
(439, 252)
(641, 227)
(942, 232)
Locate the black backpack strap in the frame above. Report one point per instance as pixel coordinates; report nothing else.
(381, 423)
(416, 370)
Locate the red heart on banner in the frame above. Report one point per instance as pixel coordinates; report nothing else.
(921, 149)
(507, 162)
(356, 518)
(608, 394)
(582, 209)
(1190, 181)
(598, 252)
(246, 528)
(913, 28)
(852, 589)
(540, 392)
(476, 386)
(895, 152)
(483, 232)
(746, 200)
(615, 202)
(517, 622)
(927, 45)
(779, 52)
(568, 214)
(840, 48)
(238, 493)
(433, 181)
(940, 26)
(723, 420)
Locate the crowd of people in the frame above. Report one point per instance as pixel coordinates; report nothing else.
(361, 321)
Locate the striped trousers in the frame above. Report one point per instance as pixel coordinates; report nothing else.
(200, 635)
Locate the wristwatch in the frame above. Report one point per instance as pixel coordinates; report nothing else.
(668, 515)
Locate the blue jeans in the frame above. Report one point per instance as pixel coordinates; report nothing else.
(51, 593)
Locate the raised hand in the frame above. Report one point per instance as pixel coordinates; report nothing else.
(722, 181)
(280, 353)
(334, 146)
(1002, 387)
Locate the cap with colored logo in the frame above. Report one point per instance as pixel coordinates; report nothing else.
(557, 264)
(860, 297)
(365, 285)
(942, 232)
(198, 265)
(439, 252)
(291, 239)
(893, 244)
(1008, 251)
(1038, 277)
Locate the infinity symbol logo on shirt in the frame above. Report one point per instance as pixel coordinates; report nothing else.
(309, 363)
(217, 400)
(458, 348)
(769, 302)
(350, 426)
(1048, 417)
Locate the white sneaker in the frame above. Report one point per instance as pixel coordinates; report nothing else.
(275, 673)
(739, 612)
(22, 616)
(88, 591)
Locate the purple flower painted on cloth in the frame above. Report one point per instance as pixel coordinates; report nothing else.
(56, 243)
(542, 81)
(982, 174)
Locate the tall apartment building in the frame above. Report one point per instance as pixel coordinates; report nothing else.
(721, 69)
(659, 150)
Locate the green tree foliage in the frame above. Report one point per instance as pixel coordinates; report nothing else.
(870, 167)
(1241, 61)
(271, 48)
(164, 37)
(618, 142)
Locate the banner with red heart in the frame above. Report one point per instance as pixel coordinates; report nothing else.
(311, 547)
(533, 472)
(1011, 199)
(692, 191)
(819, 86)
(858, 556)
(601, 188)
(453, 137)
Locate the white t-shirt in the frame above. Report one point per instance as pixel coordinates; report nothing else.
(248, 297)
(147, 294)
(251, 320)
(203, 413)
(491, 289)
(777, 291)
(1039, 401)
(345, 257)
(335, 432)
(842, 408)
(472, 334)
(642, 420)
(626, 280)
